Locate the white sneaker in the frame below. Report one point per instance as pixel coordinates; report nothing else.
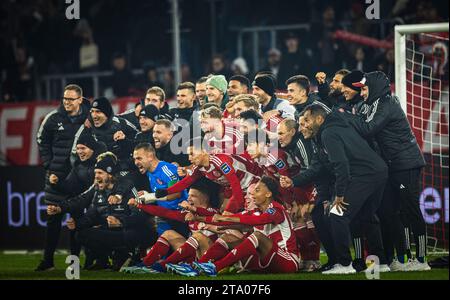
(397, 266)
(415, 265)
(384, 268)
(340, 269)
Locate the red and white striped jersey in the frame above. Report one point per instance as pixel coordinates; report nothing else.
(233, 172)
(179, 215)
(278, 163)
(272, 123)
(231, 141)
(195, 226)
(281, 229)
(221, 165)
(274, 223)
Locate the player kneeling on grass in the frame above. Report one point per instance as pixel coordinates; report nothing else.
(199, 200)
(271, 247)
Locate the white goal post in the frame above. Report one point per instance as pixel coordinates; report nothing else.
(421, 84)
(400, 53)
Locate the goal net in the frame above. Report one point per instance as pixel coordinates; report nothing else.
(423, 88)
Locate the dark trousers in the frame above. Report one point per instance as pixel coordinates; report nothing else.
(364, 198)
(322, 225)
(102, 241)
(400, 211)
(52, 236)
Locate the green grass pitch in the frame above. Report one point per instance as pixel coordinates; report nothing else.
(18, 266)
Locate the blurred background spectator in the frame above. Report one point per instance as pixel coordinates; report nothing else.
(36, 40)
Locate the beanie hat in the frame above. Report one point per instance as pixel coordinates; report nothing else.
(150, 111)
(265, 83)
(103, 105)
(354, 77)
(107, 164)
(88, 140)
(219, 82)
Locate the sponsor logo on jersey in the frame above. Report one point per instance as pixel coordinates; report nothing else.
(280, 164)
(225, 168)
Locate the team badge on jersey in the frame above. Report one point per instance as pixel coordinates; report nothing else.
(280, 164)
(225, 168)
(159, 181)
(270, 211)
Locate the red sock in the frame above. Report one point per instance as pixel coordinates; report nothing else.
(245, 249)
(302, 241)
(186, 252)
(159, 249)
(312, 245)
(217, 251)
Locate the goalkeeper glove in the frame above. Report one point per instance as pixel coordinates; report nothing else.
(147, 198)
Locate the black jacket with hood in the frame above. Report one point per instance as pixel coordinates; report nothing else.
(386, 121)
(99, 209)
(349, 154)
(55, 139)
(123, 149)
(81, 176)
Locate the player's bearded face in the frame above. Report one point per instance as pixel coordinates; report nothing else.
(336, 85)
(311, 125)
(304, 131)
(141, 160)
(102, 179)
(98, 117)
(348, 93)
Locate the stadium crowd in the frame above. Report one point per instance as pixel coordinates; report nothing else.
(236, 178)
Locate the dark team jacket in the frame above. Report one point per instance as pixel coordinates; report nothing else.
(320, 172)
(185, 113)
(81, 176)
(323, 91)
(165, 154)
(353, 106)
(55, 138)
(99, 209)
(123, 149)
(144, 137)
(349, 154)
(300, 149)
(56, 135)
(130, 116)
(386, 121)
(313, 98)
